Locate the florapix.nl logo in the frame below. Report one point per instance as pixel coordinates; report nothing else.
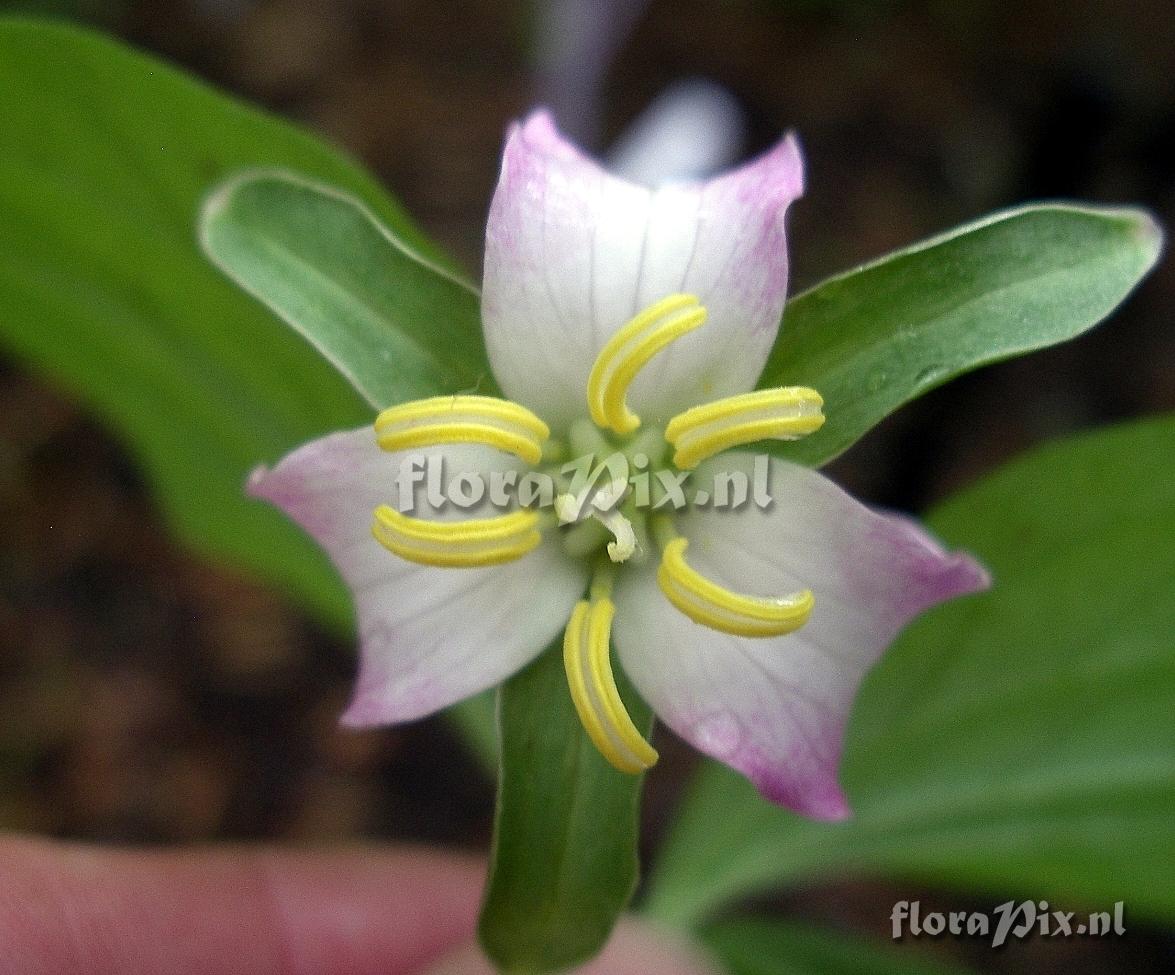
(1015, 919)
(570, 488)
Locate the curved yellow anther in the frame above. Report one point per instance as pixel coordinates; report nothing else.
(593, 688)
(629, 350)
(708, 603)
(456, 544)
(463, 419)
(786, 413)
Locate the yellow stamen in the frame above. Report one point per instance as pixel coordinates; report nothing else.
(457, 544)
(593, 688)
(786, 413)
(463, 419)
(708, 603)
(629, 350)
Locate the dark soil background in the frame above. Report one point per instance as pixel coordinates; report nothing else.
(147, 696)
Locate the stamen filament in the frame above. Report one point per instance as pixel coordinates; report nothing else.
(603, 579)
(590, 679)
(463, 419)
(457, 544)
(786, 413)
(629, 351)
(708, 603)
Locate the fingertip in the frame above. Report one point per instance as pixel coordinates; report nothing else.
(68, 907)
(636, 947)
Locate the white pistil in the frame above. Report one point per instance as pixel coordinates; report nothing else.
(603, 506)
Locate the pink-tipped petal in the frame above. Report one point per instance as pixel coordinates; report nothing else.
(428, 637)
(775, 709)
(572, 253)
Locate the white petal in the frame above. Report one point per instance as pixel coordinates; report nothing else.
(428, 636)
(775, 709)
(572, 253)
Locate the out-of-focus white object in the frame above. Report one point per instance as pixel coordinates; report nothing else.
(575, 42)
(694, 128)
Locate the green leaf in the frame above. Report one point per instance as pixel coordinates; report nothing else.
(107, 157)
(474, 719)
(395, 325)
(760, 947)
(564, 861)
(1014, 742)
(884, 334)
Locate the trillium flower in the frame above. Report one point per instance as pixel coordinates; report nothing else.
(628, 326)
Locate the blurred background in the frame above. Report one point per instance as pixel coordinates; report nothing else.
(146, 695)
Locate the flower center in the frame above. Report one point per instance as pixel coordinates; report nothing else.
(614, 503)
(608, 491)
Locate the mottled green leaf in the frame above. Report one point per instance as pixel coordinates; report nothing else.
(107, 157)
(874, 338)
(749, 946)
(1019, 742)
(397, 326)
(564, 861)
